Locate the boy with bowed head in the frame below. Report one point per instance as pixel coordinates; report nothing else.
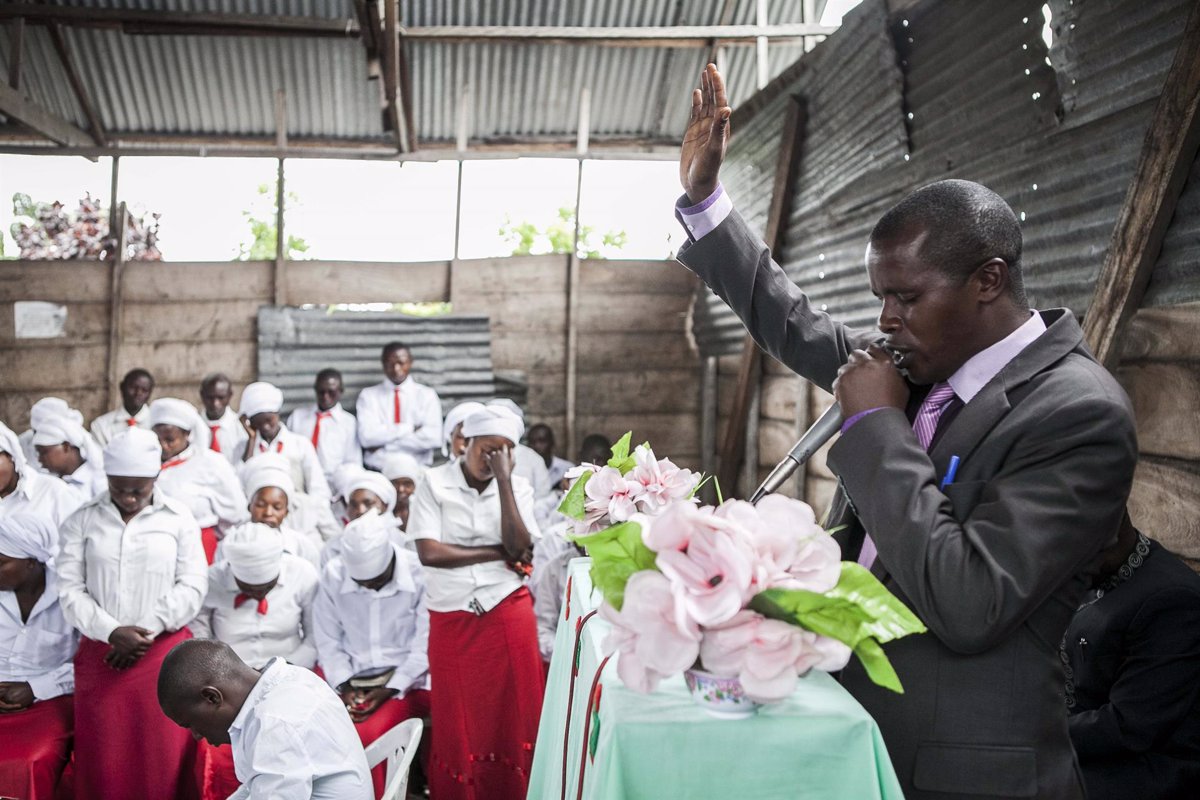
(261, 404)
(270, 492)
(37, 677)
(226, 434)
(66, 450)
(398, 414)
(290, 735)
(332, 430)
(196, 476)
(370, 618)
(260, 603)
(474, 526)
(23, 488)
(136, 388)
(131, 575)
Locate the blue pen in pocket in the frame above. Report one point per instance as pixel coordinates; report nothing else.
(951, 471)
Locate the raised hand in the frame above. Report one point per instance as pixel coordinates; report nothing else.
(706, 137)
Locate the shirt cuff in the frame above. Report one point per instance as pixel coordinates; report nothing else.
(45, 687)
(700, 219)
(848, 424)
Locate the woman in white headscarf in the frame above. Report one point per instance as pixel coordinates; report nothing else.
(474, 527)
(202, 480)
(403, 471)
(37, 677)
(132, 574)
(363, 492)
(23, 488)
(271, 492)
(454, 444)
(65, 449)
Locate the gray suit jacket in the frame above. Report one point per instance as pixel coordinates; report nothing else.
(995, 565)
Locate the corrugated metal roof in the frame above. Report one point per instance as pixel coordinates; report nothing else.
(970, 78)
(452, 354)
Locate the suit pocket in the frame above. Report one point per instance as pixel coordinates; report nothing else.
(965, 769)
(964, 497)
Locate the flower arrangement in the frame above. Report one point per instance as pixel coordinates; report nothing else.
(757, 592)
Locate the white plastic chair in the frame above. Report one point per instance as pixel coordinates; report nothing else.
(398, 747)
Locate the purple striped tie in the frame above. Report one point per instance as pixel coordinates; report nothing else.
(924, 426)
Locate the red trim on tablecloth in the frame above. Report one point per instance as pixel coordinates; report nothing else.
(489, 684)
(35, 745)
(125, 747)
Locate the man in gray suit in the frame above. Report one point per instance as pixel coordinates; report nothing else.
(994, 559)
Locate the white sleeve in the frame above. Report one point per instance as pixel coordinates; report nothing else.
(374, 429)
(201, 627)
(524, 496)
(546, 586)
(306, 654)
(230, 501)
(425, 514)
(428, 436)
(180, 605)
(279, 766)
(416, 666)
(79, 607)
(314, 474)
(54, 683)
(327, 633)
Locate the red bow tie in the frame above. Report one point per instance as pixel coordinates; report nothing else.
(243, 597)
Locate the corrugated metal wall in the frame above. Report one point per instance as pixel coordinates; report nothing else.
(452, 354)
(968, 90)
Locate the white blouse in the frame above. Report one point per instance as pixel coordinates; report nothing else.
(337, 443)
(38, 651)
(208, 485)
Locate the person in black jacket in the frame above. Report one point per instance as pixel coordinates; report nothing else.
(1132, 660)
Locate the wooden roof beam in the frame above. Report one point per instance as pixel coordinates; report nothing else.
(191, 23)
(15, 105)
(656, 36)
(76, 81)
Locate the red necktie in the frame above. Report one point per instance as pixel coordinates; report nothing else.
(396, 404)
(131, 422)
(317, 428)
(216, 442)
(243, 597)
(174, 462)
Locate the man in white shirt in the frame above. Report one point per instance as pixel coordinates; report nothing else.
(261, 404)
(292, 738)
(398, 414)
(136, 388)
(332, 430)
(66, 450)
(226, 435)
(22, 488)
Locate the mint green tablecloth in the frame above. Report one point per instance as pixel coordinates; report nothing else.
(820, 743)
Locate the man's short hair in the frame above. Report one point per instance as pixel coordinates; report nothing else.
(212, 379)
(134, 374)
(966, 225)
(327, 373)
(392, 347)
(540, 426)
(193, 664)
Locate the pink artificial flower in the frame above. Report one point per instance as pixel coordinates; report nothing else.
(711, 579)
(610, 493)
(793, 552)
(662, 482)
(646, 634)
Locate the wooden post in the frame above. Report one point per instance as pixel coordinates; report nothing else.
(573, 279)
(750, 367)
(16, 40)
(764, 66)
(116, 306)
(113, 196)
(708, 420)
(279, 274)
(1162, 169)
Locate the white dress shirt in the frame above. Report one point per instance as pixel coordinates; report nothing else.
(208, 485)
(358, 629)
(41, 494)
(337, 443)
(229, 432)
(558, 470)
(293, 740)
(40, 650)
(312, 517)
(106, 426)
(30, 451)
(530, 466)
(548, 582)
(284, 631)
(150, 572)
(307, 472)
(87, 481)
(446, 509)
(419, 431)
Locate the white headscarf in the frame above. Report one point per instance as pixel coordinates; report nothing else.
(9, 443)
(494, 421)
(401, 465)
(341, 475)
(261, 479)
(375, 483)
(254, 552)
(50, 407)
(456, 415)
(173, 411)
(26, 535)
(260, 397)
(367, 546)
(64, 429)
(133, 453)
(511, 405)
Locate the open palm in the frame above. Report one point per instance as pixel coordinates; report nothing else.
(706, 137)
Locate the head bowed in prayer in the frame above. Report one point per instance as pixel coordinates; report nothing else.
(132, 461)
(261, 404)
(63, 444)
(367, 550)
(202, 686)
(493, 429)
(946, 264)
(397, 361)
(12, 460)
(136, 388)
(27, 548)
(369, 490)
(254, 552)
(174, 422)
(453, 442)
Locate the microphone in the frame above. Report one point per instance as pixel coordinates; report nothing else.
(821, 432)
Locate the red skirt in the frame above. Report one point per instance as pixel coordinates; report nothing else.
(388, 716)
(125, 747)
(215, 772)
(488, 684)
(209, 538)
(35, 745)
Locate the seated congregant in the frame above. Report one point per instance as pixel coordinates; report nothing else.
(364, 492)
(270, 492)
(24, 488)
(226, 434)
(404, 472)
(332, 430)
(65, 449)
(261, 404)
(37, 676)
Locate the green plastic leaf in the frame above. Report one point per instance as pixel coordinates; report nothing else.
(621, 459)
(879, 668)
(891, 618)
(617, 553)
(572, 504)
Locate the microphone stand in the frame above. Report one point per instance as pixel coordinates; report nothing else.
(813, 439)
